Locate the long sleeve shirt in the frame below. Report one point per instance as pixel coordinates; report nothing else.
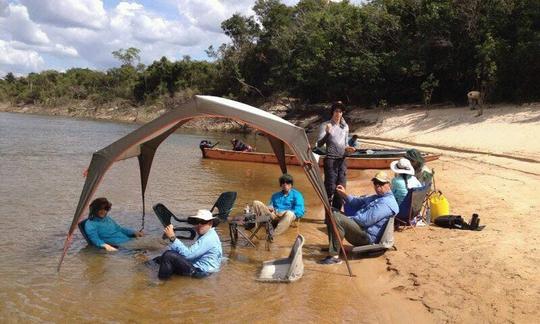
(371, 212)
(336, 140)
(205, 254)
(106, 230)
(292, 201)
(400, 189)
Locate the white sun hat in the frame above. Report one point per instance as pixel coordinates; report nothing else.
(203, 214)
(402, 166)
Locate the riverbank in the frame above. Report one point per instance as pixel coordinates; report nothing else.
(490, 166)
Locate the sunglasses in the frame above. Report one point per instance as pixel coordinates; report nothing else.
(197, 221)
(379, 184)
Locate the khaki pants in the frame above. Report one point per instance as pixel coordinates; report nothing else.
(282, 219)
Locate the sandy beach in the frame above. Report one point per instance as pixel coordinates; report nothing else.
(490, 166)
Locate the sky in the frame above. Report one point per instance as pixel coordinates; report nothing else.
(37, 35)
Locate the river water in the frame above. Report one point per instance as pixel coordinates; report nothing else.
(41, 165)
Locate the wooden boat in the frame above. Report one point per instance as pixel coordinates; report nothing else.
(364, 159)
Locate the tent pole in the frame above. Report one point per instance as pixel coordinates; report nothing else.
(338, 236)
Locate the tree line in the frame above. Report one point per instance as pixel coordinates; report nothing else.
(380, 52)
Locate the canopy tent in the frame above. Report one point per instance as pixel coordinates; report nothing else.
(144, 141)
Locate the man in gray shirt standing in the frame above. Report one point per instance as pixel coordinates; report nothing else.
(334, 133)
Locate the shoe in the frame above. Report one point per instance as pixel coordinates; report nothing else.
(329, 260)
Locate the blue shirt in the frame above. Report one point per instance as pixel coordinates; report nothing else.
(205, 254)
(106, 230)
(292, 201)
(371, 212)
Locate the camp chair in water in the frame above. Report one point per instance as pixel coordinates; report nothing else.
(384, 241)
(83, 232)
(412, 206)
(287, 269)
(224, 204)
(164, 215)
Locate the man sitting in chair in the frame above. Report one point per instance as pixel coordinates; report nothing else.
(198, 260)
(364, 218)
(103, 231)
(285, 205)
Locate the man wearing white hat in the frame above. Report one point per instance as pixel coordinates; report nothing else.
(404, 179)
(364, 218)
(198, 260)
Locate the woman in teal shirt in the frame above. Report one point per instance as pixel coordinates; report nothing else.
(102, 230)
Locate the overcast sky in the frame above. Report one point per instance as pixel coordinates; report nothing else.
(37, 35)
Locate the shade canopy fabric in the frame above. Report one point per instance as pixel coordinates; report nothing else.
(144, 141)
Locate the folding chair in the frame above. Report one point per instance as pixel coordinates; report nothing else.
(257, 223)
(83, 232)
(287, 269)
(412, 205)
(164, 215)
(223, 204)
(384, 241)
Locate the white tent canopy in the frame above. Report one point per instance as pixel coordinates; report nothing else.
(144, 141)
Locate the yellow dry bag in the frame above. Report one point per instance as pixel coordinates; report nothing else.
(438, 205)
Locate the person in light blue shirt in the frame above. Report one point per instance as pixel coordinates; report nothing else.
(284, 207)
(364, 218)
(200, 259)
(404, 179)
(102, 230)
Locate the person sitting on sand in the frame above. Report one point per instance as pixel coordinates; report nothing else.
(200, 259)
(285, 205)
(364, 218)
(102, 230)
(421, 171)
(404, 179)
(238, 145)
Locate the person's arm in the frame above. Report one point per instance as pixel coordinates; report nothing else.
(354, 203)
(323, 134)
(125, 230)
(199, 248)
(92, 234)
(374, 214)
(298, 207)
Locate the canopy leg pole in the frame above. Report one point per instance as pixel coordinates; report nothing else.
(330, 216)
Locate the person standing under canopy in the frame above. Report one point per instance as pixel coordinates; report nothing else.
(334, 134)
(103, 231)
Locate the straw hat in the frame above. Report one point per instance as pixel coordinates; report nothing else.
(402, 166)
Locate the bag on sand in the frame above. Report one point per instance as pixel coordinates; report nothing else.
(456, 221)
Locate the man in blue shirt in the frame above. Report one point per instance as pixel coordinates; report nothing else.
(364, 218)
(285, 206)
(102, 230)
(200, 259)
